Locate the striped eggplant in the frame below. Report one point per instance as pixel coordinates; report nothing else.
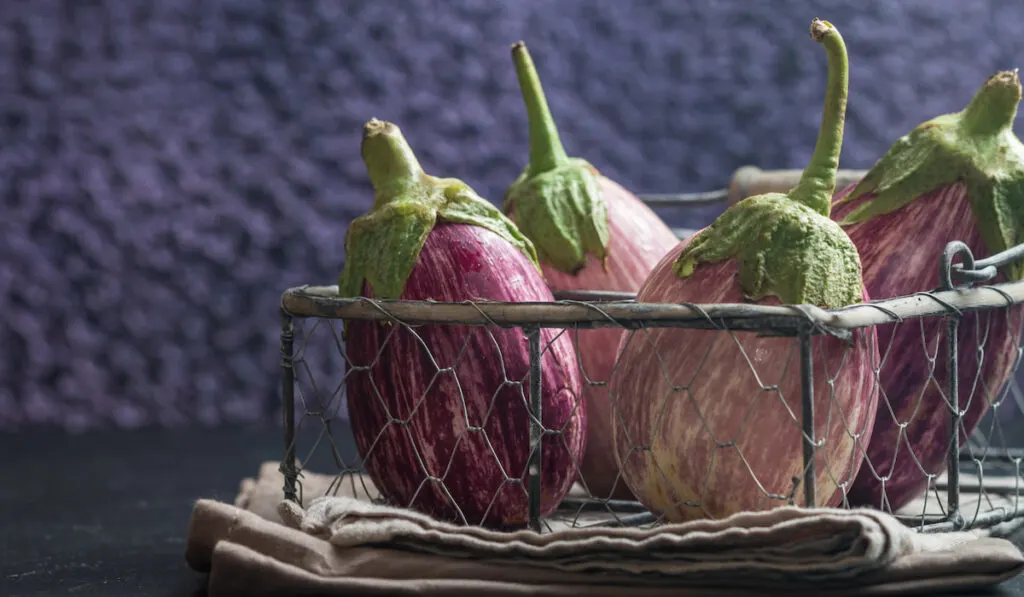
(590, 234)
(713, 418)
(956, 177)
(437, 411)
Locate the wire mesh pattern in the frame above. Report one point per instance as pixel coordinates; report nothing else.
(475, 412)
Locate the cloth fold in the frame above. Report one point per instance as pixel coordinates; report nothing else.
(346, 544)
(785, 542)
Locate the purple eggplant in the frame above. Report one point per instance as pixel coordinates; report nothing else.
(709, 421)
(956, 177)
(439, 412)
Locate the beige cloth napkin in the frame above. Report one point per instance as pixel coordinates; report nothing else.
(345, 544)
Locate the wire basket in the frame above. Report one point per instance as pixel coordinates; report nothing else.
(976, 486)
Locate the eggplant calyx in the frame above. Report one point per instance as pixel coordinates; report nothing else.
(784, 249)
(383, 245)
(976, 146)
(563, 212)
(557, 200)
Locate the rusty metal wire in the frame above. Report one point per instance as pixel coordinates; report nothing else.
(977, 485)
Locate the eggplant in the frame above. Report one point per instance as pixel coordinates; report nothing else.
(592, 234)
(439, 412)
(956, 177)
(711, 420)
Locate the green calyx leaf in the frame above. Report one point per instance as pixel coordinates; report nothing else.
(976, 146)
(557, 200)
(786, 245)
(784, 249)
(383, 246)
(562, 212)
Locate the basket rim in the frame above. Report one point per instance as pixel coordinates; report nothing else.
(312, 301)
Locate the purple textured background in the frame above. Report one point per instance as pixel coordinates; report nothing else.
(168, 168)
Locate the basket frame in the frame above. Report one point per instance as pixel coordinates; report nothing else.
(956, 295)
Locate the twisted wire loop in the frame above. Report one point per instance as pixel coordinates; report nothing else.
(789, 364)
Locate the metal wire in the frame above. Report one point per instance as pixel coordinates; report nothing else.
(984, 270)
(684, 199)
(807, 416)
(536, 426)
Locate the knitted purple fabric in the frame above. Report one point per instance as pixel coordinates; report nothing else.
(167, 169)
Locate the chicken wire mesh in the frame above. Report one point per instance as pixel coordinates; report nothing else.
(483, 442)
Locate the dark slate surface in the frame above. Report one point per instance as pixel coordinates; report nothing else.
(111, 516)
(168, 168)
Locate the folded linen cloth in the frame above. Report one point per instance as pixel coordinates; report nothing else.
(345, 544)
(777, 546)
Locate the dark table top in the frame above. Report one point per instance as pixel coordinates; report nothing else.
(106, 513)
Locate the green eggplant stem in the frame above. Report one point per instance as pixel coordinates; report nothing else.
(785, 244)
(390, 162)
(818, 182)
(975, 146)
(556, 200)
(383, 245)
(546, 149)
(994, 107)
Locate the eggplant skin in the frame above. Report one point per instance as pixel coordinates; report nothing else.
(707, 430)
(638, 239)
(429, 435)
(900, 254)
